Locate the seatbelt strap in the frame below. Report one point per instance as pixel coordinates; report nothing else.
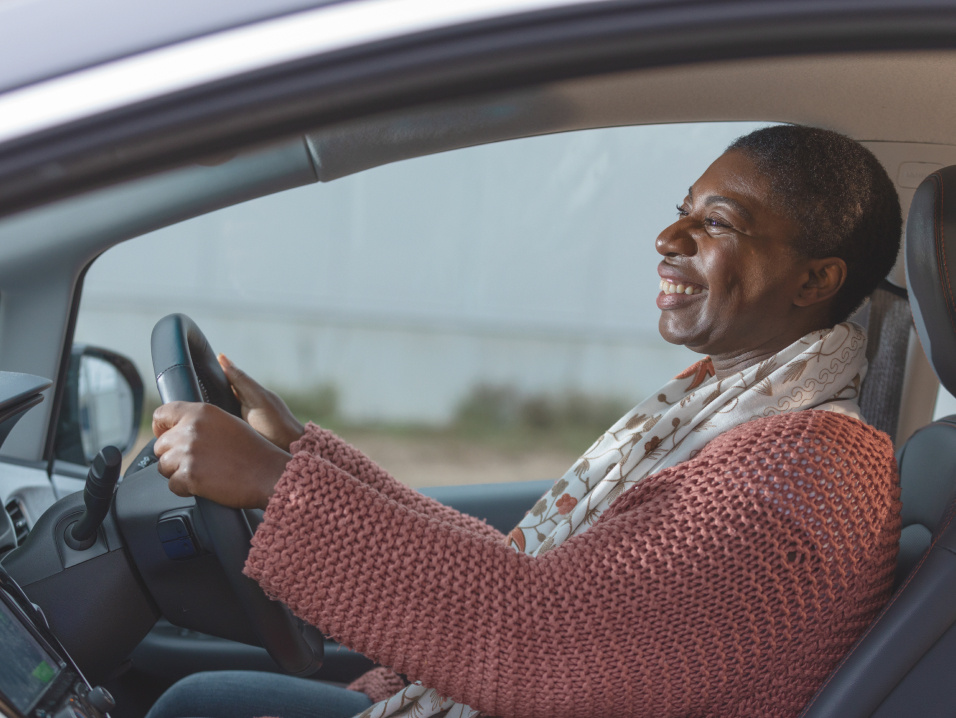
(888, 329)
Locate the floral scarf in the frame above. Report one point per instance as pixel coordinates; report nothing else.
(823, 371)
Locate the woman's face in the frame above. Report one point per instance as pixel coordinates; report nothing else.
(732, 251)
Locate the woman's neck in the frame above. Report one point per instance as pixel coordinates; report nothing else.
(727, 364)
(731, 363)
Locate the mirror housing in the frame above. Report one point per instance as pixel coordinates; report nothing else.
(102, 404)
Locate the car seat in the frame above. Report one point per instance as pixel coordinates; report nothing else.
(904, 663)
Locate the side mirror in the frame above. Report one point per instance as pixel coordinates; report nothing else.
(102, 404)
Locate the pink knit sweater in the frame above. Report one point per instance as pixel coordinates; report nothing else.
(728, 585)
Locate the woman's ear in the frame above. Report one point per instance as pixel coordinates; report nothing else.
(823, 280)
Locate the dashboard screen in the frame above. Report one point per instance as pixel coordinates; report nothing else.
(26, 668)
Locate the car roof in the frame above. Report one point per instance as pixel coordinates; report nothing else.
(77, 35)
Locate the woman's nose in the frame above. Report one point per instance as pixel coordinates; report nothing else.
(675, 240)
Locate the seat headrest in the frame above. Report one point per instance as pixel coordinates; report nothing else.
(931, 271)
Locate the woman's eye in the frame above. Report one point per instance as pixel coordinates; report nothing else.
(681, 212)
(716, 222)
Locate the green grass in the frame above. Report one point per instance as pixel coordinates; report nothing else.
(498, 417)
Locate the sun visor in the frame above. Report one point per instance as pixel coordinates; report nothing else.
(356, 146)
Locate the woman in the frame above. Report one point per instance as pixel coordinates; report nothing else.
(714, 553)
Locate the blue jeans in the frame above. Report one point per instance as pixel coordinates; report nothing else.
(249, 694)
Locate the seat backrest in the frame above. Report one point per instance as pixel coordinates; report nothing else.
(903, 664)
(928, 482)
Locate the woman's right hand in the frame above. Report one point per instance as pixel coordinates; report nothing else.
(262, 409)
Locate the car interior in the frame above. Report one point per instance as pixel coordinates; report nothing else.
(894, 102)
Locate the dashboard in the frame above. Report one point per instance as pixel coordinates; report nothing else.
(37, 677)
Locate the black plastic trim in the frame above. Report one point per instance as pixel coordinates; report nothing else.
(59, 385)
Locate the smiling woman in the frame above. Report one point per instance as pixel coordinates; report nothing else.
(766, 240)
(738, 252)
(742, 516)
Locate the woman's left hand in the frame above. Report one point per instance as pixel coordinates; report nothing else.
(204, 451)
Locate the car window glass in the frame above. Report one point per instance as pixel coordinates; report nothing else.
(477, 315)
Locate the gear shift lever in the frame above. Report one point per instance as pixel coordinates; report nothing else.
(98, 494)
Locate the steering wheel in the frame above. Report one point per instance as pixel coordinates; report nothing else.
(187, 370)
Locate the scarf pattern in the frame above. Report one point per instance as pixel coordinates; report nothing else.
(823, 370)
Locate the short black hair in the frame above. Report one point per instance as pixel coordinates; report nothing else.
(840, 196)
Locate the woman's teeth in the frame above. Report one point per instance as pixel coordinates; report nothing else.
(669, 288)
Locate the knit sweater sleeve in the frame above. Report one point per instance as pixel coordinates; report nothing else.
(323, 443)
(721, 586)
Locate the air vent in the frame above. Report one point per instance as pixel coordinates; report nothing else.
(18, 519)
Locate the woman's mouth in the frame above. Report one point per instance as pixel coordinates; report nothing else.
(671, 288)
(677, 294)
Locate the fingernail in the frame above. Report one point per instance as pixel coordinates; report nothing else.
(224, 360)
